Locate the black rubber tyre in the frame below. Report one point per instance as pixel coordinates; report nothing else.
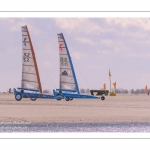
(58, 95)
(67, 98)
(102, 98)
(59, 99)
(18, 97)
(70, 99)
(33, 99)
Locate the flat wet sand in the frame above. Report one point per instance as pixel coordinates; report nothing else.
(120, 108)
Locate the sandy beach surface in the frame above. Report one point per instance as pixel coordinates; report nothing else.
(120, 108)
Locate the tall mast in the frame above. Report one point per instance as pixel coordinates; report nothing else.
(35, 63)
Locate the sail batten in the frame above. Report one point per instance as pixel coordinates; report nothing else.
(67, 82)
(30, 74)
(26, 49)
(67, 75)
(29, 81)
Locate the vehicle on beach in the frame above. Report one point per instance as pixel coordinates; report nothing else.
(99, 92)
(30, 83)
(68, 87)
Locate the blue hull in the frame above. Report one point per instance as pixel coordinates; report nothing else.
(72, 95)
(35, 95)
(79, 96)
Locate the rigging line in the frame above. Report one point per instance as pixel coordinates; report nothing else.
(46, 72)
(83, 76)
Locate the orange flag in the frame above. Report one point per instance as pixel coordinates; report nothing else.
(146, 88)
(104, 86)
(114, 84)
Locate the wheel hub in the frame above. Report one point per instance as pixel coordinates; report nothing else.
(18, 96)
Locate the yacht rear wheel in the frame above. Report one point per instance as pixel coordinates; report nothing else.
(59, 98)
(67, 98)
(33, 99)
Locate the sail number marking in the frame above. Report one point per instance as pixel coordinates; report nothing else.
(24, 41)
(63, 61)
(26, 57)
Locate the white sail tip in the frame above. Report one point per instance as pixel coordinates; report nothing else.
(24, 28)
(60, 34)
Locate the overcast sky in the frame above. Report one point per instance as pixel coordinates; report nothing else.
(95, 44)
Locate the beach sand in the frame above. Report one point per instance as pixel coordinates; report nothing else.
(120, 108)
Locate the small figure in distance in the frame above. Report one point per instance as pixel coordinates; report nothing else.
(9, 90)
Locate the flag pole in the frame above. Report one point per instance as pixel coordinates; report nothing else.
(110, 80)
(115, 86)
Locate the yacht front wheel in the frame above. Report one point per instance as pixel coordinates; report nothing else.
(18, 97)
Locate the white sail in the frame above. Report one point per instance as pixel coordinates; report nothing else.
(67, 80)
(29, 75)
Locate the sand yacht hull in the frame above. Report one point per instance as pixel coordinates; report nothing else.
(70, 96)
(32, 95)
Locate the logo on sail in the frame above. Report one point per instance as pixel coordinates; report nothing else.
(60, 46)
(24, 41)
(64, 73)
